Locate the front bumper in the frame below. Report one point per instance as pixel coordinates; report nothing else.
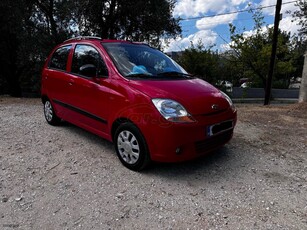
(174, 142)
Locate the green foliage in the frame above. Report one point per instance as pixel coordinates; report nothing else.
(298, 50)
(31, 28)
(202, 62)
(254, 53)
(132, 20)
(301, 16)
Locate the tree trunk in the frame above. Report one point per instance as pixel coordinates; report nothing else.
(303, 88)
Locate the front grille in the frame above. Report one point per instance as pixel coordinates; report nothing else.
(213, 142)
(222, 127)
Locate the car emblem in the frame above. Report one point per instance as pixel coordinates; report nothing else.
(215, 107)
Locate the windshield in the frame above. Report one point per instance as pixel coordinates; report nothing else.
(142, 61)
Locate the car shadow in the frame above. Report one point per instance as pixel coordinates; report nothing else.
(222, 162)
(90, 137)
(212, 160)
(222, 165)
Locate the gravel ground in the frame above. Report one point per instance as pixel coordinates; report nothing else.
(66, 178)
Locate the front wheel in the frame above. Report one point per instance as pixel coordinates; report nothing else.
(131, 147)
(50, 115)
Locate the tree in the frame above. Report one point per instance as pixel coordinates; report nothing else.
(146, 21)
(254, 52)
(52, 19)
(202, 62)
(12, 15)
(31, 28)
(301, 16)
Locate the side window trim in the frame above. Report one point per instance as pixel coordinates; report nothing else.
(68, 53)
(99, 56)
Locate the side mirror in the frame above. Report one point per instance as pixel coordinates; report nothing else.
(88, 70)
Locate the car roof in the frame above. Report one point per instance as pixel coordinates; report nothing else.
(93, 38)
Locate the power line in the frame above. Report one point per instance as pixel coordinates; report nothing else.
(233, 12)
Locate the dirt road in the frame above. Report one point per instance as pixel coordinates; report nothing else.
(66, 178)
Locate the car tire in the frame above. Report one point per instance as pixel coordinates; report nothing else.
(50, 115)
(131, 147)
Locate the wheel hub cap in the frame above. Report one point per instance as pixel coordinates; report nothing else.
(128, 147)
(48, 111)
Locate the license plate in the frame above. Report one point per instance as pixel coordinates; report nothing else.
(219, 128)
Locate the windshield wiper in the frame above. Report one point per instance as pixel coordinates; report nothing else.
(166, 74)
(175, 74)
(139, 75)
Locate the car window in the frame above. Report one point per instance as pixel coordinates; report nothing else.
(59, 58)
(85, 55)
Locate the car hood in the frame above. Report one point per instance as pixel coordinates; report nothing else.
(196, 95)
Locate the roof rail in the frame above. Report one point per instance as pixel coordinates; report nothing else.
(83, 38)
(141, 43)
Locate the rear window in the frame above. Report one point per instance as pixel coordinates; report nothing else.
(59, 58)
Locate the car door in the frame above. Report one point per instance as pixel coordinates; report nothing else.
(56, 79)
(89, 93)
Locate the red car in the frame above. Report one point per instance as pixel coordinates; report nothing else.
(136, 97)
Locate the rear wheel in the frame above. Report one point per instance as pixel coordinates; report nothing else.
(50, 115)
(131, 147)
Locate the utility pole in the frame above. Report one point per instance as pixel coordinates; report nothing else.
(268, 88)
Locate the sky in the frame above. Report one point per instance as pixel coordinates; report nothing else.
(214, 31)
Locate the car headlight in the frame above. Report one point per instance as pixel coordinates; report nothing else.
(232, 106)
(172, 110)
